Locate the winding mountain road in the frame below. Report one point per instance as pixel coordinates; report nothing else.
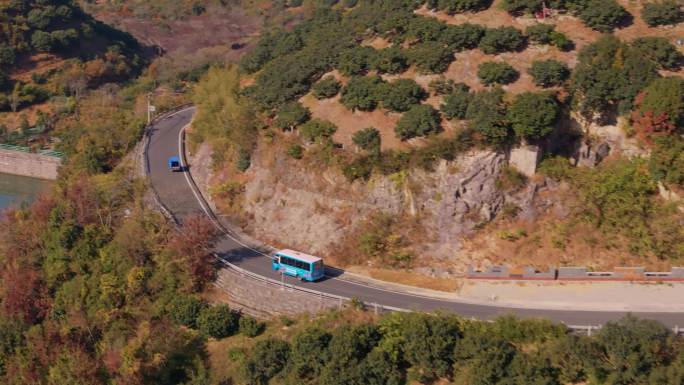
(176, 194)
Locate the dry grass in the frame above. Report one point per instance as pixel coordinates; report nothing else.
(409, 278)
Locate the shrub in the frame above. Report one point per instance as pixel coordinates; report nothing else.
(556, 168)
(487, 114)
(317, 130)
(250, 327)
(455, 104)
(549, 73)
(667, 160)
(603, 15)
(496, 73)
(368, 139)
(659, 108)
(540, 33)
(441, 86)
(431, 57)
(533, 115)
(502, 39)
(401, 94)
(660, 50)
(462, 37)
(667, 12)
(359, 168)
(326, 88)
(218, 321)
(291, 115)
(420, 120)
(392, 60)
(362, 93)
(185, 310)
(295, 151)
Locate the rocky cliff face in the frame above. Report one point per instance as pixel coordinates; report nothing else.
(314, 210)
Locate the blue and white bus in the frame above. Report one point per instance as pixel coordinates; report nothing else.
(303, 266)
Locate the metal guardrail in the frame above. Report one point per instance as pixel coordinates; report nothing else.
(28, 150)
(588, 329)
(12, 147)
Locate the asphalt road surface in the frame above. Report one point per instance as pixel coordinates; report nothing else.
(176, 194)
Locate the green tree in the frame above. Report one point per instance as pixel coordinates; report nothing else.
(356, 60)
(223, 115)
(549, 73)
(610, 73)
(533, 115)
(291, 115)
(362, 93)
(367, 139)
(42, 41)
(429, 344)
(326, 88)
(431, 57)
(420, 120)
(491, 73)
(629, 350)
(660, 50)
(487, 115)
(317, 130)
(501, 39)
(520, 7)
(540, 33)
(463, 36)
(7, 55)
(392, 60)
(402, 94)
(666, 12)
(603, 15)
(308, 353)
(456, 103)
(218, 321)
(268, 358)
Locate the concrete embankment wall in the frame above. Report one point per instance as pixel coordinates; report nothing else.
(264, 300)
(29, 164)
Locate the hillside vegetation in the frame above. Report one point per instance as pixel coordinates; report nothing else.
(50, 51)
(376, 89)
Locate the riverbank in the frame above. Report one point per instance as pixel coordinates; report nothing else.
(19, 161)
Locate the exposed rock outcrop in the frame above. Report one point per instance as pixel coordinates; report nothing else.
(314, 209)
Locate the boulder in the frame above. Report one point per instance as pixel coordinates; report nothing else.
(525, 159)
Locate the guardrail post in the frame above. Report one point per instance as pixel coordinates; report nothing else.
(339, 306)
(676, 330)
(375, 305)
(589, 331)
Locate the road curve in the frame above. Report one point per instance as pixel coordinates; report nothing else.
(176, 194)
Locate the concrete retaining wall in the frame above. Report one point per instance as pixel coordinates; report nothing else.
(263, 299)
(580, 273)
(29, 164)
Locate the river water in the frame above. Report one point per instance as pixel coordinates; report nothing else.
(15, 190)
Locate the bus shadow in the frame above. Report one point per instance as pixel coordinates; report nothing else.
(258, 262)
